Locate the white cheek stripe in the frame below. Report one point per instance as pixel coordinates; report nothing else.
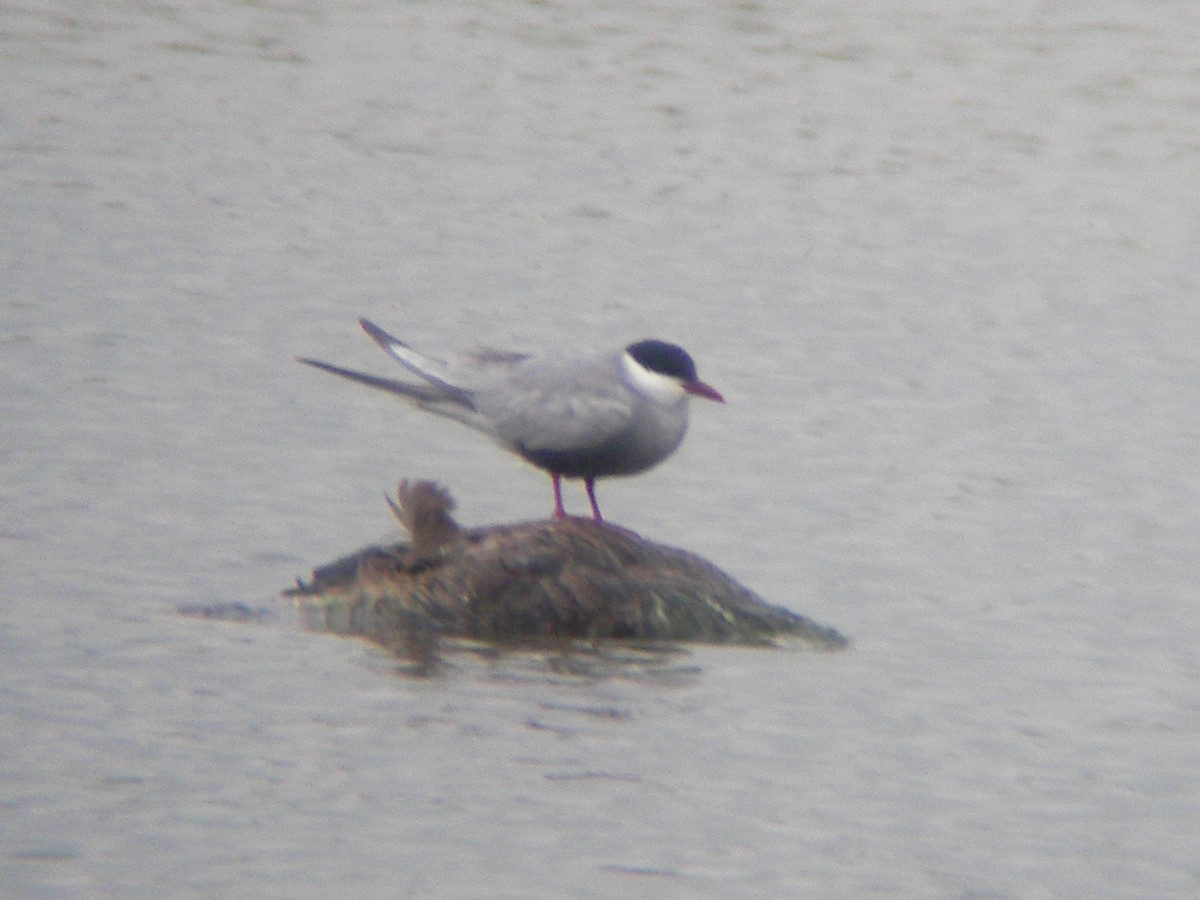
(660, 388)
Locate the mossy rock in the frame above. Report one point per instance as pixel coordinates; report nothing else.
(535, 583)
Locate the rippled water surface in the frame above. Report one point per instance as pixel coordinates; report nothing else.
(942, 262)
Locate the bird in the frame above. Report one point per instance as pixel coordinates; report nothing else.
(611, 413)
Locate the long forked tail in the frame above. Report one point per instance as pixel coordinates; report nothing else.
(432, 371)
(424, 392)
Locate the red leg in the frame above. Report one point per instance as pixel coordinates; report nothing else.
(590, 484)
(559, 512)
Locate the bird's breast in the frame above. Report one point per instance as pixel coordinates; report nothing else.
(650, 436)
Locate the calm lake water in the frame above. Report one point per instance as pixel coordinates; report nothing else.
(941, 262)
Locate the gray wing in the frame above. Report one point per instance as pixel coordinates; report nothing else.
(529, 403)
(557, 405)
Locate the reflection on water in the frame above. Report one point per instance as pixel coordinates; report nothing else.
(664, 667)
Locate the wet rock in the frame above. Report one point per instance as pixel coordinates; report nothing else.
(533, 584)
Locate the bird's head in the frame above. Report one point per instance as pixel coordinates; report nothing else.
(665, 372)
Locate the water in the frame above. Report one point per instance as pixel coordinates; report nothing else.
(941, 263)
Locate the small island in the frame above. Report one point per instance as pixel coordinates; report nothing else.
(535, 584)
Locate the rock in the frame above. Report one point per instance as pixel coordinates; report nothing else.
(533, 584)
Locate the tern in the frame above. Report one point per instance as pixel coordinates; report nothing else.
(614, 413)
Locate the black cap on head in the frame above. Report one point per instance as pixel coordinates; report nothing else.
(664, 358)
